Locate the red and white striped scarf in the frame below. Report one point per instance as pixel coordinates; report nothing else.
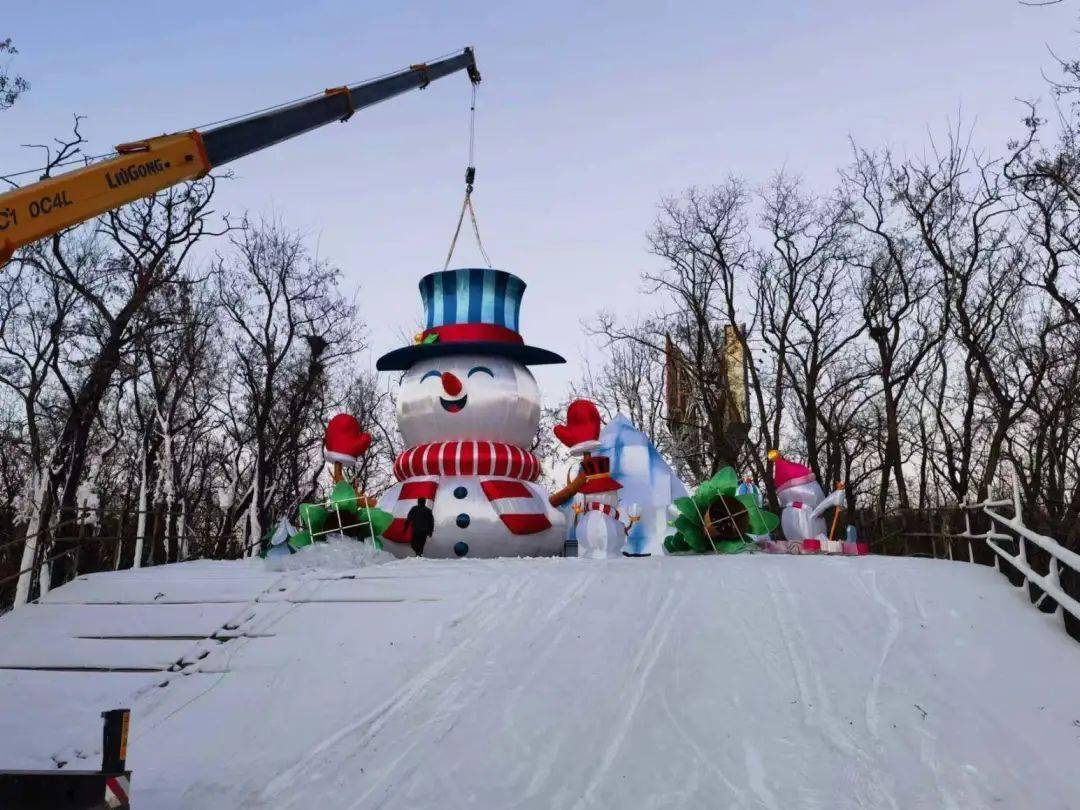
(607, 509)
(467, 458)
(520, 510)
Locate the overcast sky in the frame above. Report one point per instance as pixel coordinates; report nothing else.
(588, 113)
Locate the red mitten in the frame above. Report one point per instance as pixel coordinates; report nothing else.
(345, 441)
(581, 432)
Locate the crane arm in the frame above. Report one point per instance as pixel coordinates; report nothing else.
(143, 168)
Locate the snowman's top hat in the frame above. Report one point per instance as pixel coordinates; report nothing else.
(469, 311)
(598, 478)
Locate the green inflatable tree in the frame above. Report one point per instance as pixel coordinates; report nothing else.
(717, 520)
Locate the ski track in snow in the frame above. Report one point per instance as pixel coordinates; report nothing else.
(751, 683)
(544, 765)
(704, 760)
(362, 732)
(446, 706)
(755, 770)
(872, 789)
(873, 714)
(651, 645)
(422, 713)
(812, 697)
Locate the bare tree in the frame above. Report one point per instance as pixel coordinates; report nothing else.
(11, 85)
(106, 270)
(286, 325)
(178, 361)
(373, 406)
(962, 213)
(703, 243)
(148, 245)
(631, 382)
(900, 308)
(804, 300)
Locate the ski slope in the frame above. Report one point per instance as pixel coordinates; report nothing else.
(747, 682)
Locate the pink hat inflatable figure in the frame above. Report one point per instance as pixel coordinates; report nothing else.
(803, 503)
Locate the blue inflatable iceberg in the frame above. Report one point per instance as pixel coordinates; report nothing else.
(648, 481)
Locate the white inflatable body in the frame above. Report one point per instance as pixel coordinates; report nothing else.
(498, 403)
(467, 525)
(599, 534)
(802, 511)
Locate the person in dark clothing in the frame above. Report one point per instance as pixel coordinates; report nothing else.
(421, 521)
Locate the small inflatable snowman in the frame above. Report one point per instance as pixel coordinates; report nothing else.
(600, 530)
(468, 408)
(803, 502)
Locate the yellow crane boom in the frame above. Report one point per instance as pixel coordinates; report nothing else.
(145, 167)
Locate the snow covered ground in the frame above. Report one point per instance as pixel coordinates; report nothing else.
(746, 681)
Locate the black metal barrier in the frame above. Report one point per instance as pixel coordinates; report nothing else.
(60, 789)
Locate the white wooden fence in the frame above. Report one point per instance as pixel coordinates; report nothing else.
(1004, 528)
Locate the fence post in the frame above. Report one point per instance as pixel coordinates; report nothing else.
(41, 561)
(1053, 576)
(118, 551)
(997, 559)
(946, 523)
(1021, 544)
(1053, 571)
(967, 534)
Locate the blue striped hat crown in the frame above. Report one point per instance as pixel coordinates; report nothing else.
(472, 296)
(471, 310)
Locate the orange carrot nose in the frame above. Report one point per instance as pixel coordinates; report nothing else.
(451, 384)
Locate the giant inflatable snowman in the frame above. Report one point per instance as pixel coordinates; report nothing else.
(468, 409)
(803, 502)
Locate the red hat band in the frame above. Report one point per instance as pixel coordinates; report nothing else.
(469, 310)
(472, 333)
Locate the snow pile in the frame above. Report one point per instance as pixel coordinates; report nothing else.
(336, 553)
(746, 681)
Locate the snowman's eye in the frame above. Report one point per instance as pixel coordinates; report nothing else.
(480, 370)
(432, 373)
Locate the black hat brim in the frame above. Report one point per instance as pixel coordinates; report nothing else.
(404, 358)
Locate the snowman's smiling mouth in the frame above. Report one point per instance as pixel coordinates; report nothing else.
(454, 405)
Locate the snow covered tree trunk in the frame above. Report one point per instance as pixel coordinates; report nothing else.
(44, 577)
(39, 484)
(52, 525)
(254, 524)
(167, 482)
(226, 499)
(140, 526)
(181, 533)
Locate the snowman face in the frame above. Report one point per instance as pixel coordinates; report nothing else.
(810, 494)
(469, 396)
(604, 498)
